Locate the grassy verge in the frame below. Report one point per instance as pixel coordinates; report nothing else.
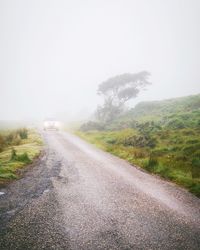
(172, 154)
(18, 149)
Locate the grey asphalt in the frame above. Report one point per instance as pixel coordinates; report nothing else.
(79, 197)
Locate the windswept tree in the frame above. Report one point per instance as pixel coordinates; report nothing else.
(117, 91)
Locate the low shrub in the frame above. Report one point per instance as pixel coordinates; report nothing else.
(2, 143)
(13, 138)
(164, 134)
(163, 171)
(16, 140)
(140, 141)
(23, 133)
(138, 153)
(111, 140)
(92, 126)
(181, 157)
(192, 141)
(21, 157)
(176, 124)
(195, 188)
(191, 149)
(151, 163)
(188, 132)
(196, 154)
(196, 168)
(13, 155)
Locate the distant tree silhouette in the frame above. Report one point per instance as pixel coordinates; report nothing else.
(117, 91)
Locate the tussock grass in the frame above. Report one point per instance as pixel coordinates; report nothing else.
(16, 155)
(176, 157)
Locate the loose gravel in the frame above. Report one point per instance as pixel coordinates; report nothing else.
(79, 197)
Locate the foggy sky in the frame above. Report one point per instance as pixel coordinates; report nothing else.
(53, 54)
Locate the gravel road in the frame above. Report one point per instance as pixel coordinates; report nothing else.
(79, 197)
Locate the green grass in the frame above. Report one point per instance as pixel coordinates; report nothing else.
(168, 159)
(15, 156)
(162, 137)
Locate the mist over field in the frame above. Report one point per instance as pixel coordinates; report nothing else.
(99, 124)
(54, 54)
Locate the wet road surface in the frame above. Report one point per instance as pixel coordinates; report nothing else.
(79, 197)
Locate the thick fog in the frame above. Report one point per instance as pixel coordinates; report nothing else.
(53, 54)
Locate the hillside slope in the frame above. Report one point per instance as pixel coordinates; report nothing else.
(162, 136)
(177, 113)
(167, 107)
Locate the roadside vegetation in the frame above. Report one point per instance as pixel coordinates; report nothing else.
(18, 148)
(162, 137)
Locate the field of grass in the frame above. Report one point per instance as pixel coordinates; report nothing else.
(162, 137)
(18, 148)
